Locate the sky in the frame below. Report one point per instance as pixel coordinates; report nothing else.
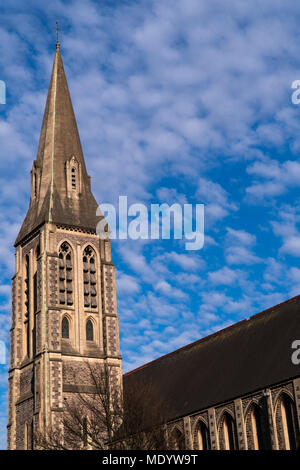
(177, 101)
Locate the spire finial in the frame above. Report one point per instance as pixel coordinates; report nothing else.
(57, 43)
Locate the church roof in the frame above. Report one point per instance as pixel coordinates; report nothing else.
(59, 142)
(247, 356)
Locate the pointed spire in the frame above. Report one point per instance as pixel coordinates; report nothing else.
(58, 198)
(57, 43)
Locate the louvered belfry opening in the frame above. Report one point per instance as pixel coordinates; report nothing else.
(73, 177)
(89, 278)
(65, 275)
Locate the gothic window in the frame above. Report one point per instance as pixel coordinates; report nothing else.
(289, 423)
(65, 275)
(28, 436)
(255, 428)
(203, 441)
(89, 331)
(73, 177)
(228, 430)
(65, 328)
(177, 440)
(89, 278)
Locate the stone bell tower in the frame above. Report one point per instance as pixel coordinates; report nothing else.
(63, 290)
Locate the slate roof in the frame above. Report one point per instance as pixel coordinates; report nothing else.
(247, 356)
(59, 141)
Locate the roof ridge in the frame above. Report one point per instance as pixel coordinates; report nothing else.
(275, 307)
(187, 346)
(216, 333)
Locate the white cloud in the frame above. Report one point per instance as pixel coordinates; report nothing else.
(286, 227)
(240, 236)
(216, 199)
(238, 247)
(225, 276)
(274, 178)
(165, 288)
(213, 300)
(291, 246)
(188, 262)
(241, 255)
(127, 284)
(294, 275)
(208, 318)
(274, 272)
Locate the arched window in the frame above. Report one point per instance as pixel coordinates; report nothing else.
(89, 331)
(65, 275)
(228, 433)
(26, 437)
(73, 177)
(202, 436)
(89, 278)
(177, 440)
(289, 422)
(255, 428)
(65, 328)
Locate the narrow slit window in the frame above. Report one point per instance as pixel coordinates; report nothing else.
(35, 184)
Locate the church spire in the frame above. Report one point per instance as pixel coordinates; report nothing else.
(64, 310)
(57, 43)
(60, 184)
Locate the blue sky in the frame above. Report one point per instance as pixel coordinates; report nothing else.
(183, 101)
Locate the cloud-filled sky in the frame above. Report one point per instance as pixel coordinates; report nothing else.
(177, 101)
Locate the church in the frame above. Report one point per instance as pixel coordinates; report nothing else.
(235, 389)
